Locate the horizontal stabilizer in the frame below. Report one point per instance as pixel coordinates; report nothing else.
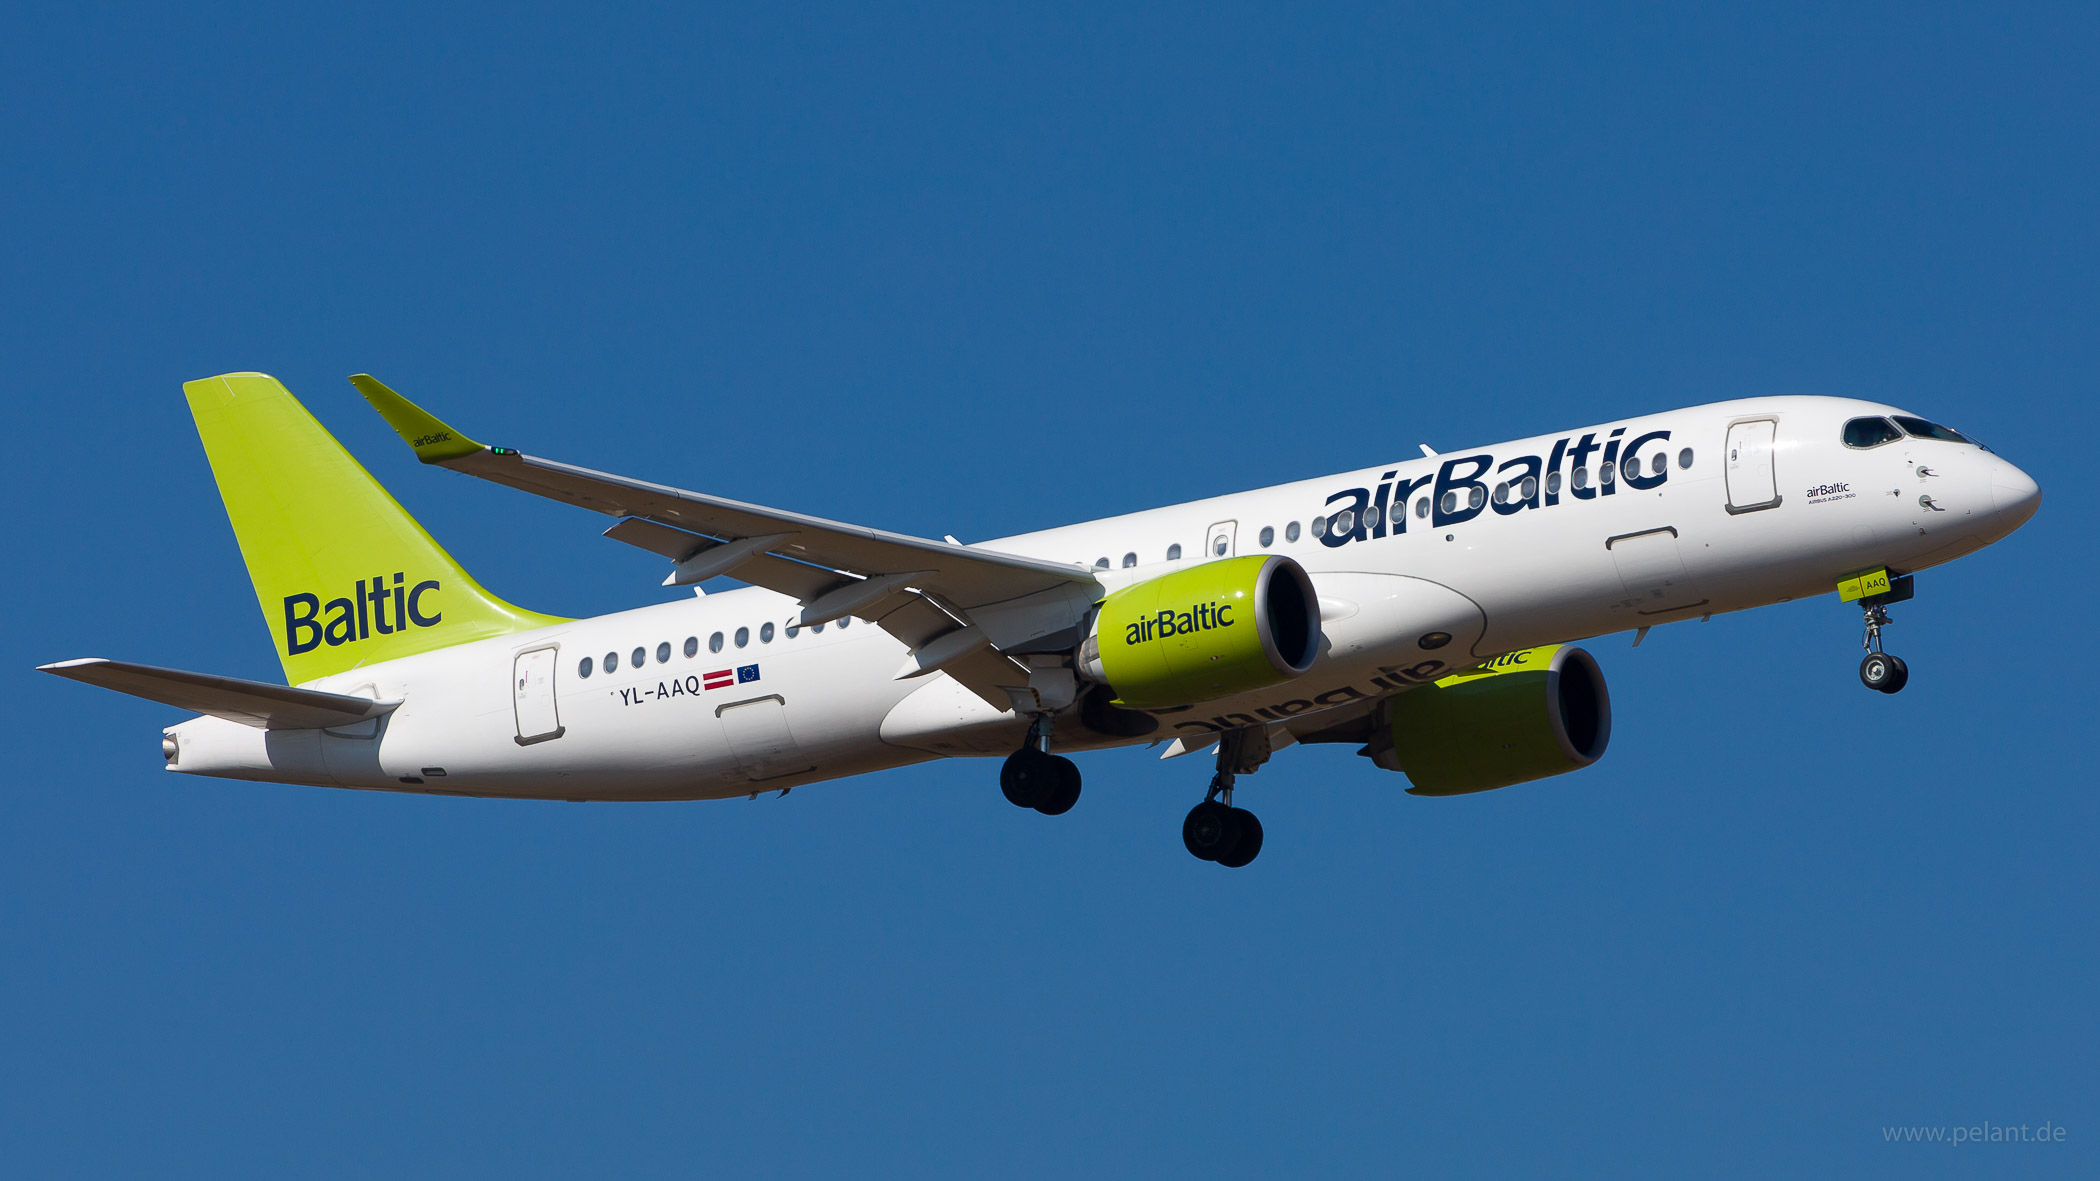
(251, 703)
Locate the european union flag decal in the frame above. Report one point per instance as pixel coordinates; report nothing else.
(747, 672)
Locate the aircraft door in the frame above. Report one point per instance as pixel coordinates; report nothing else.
(758, 734)
(532, 696)
(1218, 543)
(1752, 484)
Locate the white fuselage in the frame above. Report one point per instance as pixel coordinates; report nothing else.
(1741, 525)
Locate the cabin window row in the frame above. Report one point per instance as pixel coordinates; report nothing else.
(639, 658)
(1521, 490)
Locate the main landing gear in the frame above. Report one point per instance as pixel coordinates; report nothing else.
(1035, 778)
(1215, 830)
(1879, 670)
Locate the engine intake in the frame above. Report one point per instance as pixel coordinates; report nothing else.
(1204, 633)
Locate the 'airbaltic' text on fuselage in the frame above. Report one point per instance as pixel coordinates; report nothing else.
(1459, 487)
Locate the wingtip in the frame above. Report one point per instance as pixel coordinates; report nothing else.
(62, 666)
(432, 439)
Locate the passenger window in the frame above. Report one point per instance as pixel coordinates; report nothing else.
(743, 636)
(584, 669)
(1100, 563)
(1659, 462)
(1290, 531)
(818, 628)
(639, 658)
(1684, 459)
(1319, 526)
(1422, 507)
(1344, 523)
(1870, 432)
(1553, 484)
(663, 652)
(692, 647)
(1604, 472)
(1929, 430)
(1450, 502)
(1174, 553)
(1531, 487)
(844, 620)
(765, 634)
(714, 642)
(1268, 536)
(1129, 560)
(612, 661)
(1633, 467)
(793, 631)
(1477, 497)
(1501, 494)
(1582, 477)
(1218, 544)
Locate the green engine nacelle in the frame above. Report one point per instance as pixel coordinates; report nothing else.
(1204, 633)
(1518, 717)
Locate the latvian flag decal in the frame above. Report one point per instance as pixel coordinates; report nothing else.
(720, 680)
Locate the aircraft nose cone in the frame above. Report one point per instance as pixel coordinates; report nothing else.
(2015, 495)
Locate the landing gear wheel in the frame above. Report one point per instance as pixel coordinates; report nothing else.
(1209, 831)
(1064, 790)
(1030, 776)
(1883, 673)
(1248, 846)
(1901, 677)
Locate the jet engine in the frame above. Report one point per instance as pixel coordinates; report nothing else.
(1203, 633)
(1518, 717)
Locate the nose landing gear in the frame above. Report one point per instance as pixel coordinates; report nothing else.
(1215, 830)
(1879, 670)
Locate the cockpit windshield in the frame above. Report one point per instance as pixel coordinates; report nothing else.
(1870, 432)
(1919, 428)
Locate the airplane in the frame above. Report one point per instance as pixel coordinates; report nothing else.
(1424, 610)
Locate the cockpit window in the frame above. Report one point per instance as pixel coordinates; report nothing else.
(1870, 432)
(1929, 430)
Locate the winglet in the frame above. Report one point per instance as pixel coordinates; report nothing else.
(433, 440)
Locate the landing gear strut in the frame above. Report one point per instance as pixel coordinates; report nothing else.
(1879, 670)
(1035, 778)
(1215, 830)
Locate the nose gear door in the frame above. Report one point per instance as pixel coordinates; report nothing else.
(1752, 484)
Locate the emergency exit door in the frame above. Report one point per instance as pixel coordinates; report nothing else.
(532, 696)
(1752, 483)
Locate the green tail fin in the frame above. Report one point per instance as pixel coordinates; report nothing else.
(344, 575)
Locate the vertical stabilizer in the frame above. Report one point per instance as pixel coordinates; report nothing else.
(344, 575)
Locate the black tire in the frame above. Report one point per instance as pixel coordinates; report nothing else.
(1211, 831)
(1060, 798)
(1899, 677)
(1877, 670)
(1028, 777)
(1248, 847)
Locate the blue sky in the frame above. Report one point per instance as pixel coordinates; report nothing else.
(977, 271)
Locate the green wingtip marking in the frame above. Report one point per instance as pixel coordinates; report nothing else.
(433, 440)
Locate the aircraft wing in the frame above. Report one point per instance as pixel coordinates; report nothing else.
(962, 609)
